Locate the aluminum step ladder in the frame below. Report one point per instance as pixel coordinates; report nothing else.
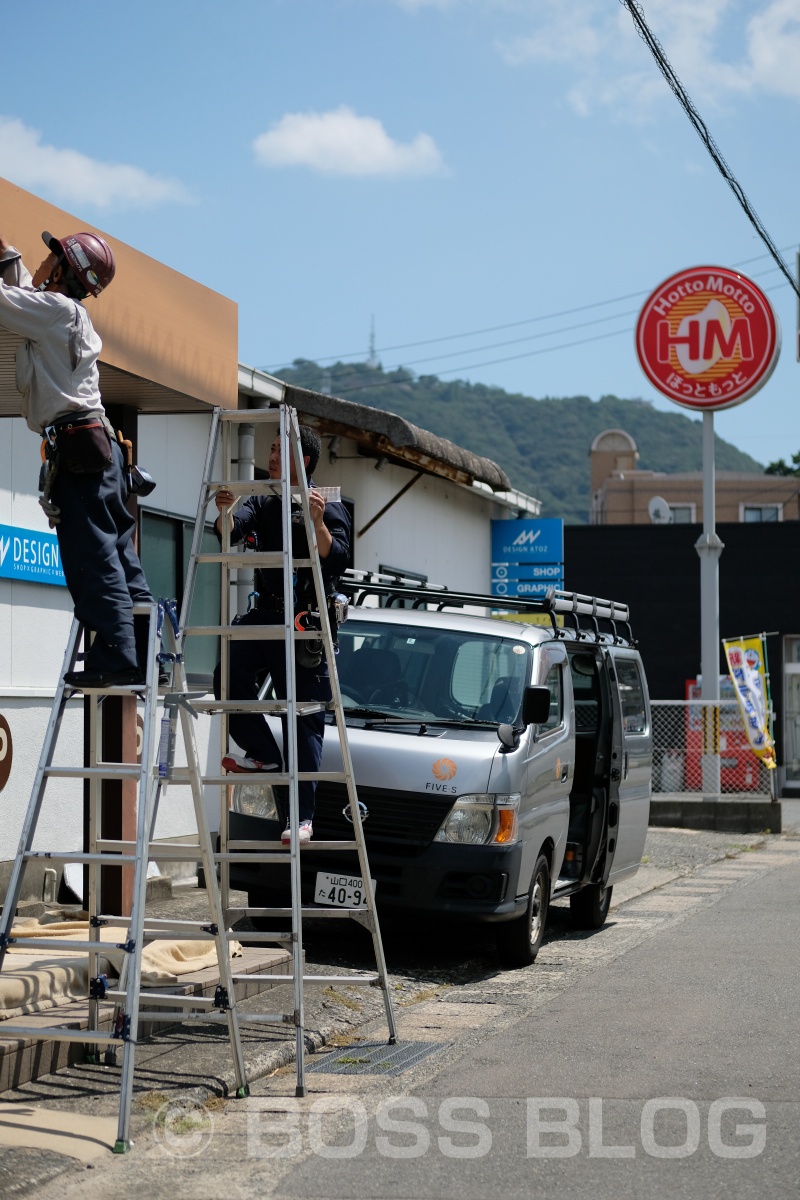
(131, 1006)
(284, 419)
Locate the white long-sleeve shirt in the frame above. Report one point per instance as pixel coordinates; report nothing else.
(57, 363)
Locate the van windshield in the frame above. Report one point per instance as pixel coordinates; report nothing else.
(431, 674)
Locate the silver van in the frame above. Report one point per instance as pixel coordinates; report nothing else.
(499, 764)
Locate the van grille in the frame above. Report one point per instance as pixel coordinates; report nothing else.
(409, 819)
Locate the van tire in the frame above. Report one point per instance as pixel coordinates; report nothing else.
(518, 941)
(588, 908)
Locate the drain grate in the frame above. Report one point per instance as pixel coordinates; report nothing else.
(374, 1058)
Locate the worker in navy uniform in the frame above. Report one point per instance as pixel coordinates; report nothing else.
(260, 519)
(85, 473)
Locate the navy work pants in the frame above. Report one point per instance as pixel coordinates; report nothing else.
(101, 567)
(250, 730)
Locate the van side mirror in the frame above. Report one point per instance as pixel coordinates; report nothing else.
(535, 705)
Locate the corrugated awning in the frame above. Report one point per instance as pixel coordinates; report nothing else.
(379, 433)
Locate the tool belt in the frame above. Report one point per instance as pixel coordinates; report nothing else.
(81, 442)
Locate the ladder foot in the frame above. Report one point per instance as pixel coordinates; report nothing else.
(92, 1059)
(301, 1091)
(243, 1092)
(393, 1040)
(110, 1057)
(122, 1147)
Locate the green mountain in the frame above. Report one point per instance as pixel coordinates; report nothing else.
(542, 445)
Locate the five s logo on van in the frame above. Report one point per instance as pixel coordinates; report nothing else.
(444, 769)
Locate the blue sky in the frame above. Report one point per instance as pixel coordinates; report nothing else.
(498, 183)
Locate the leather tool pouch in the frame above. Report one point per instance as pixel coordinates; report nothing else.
(84, 447)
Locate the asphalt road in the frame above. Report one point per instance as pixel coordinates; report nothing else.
(655, 1058)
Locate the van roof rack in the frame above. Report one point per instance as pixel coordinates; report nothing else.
(396, 591)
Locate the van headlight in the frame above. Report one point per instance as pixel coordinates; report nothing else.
(481, 819)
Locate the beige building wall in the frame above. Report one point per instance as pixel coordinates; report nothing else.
(621, 494)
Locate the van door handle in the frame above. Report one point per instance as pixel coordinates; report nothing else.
(564, 774)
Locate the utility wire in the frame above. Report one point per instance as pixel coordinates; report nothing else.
(664, 66)
(566, 312)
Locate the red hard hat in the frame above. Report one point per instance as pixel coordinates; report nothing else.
(89, 257)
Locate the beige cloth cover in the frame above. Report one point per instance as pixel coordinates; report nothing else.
(32, 982)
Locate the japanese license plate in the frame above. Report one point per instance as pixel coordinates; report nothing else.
(342, 891)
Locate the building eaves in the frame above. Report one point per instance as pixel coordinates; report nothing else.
(379, 433)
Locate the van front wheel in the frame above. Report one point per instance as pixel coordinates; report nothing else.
(588, 908)
(518, 941)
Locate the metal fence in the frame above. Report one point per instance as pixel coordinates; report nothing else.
(685, 732)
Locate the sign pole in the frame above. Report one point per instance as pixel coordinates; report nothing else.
(709, 547)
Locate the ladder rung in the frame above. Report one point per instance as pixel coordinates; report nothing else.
(304, 707)
(157, 851)
(103, 771)
(249, 935)
(116, 690)
(256, 845)
(170, 1000)
(276, 857)
(57, 1033)
(251, 633)
(62, 944)
(306, 910)
(252, 559)
(112, 860)
(279, 777)
(247, 487)
(261, 1018)
(254, 416)
(323, 980)
(149, 1014)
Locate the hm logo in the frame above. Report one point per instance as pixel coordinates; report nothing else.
(526, 538)
(4, 545)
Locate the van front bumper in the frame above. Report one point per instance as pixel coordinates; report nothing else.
(475, 883)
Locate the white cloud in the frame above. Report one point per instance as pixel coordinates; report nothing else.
(340, 142)
(713, 53)
(774, 45)
(74, 178)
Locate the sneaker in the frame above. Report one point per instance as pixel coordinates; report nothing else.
(242, 764)
(304, 834)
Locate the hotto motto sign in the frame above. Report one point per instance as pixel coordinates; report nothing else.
(708, 338)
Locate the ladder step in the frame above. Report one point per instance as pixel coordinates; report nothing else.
(131, 690)
(61, 944)
(322, 980)
(249, 935)
(112, 860)
(103, 771)
(304, 707)
(255, 845)
(251, 560)
(307, 911)
(57, 1033)
(170, 1001)
(247, 487)
(156, 851)
(279, 777)
(251, 633)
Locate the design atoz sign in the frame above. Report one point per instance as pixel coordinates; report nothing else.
(708, 338)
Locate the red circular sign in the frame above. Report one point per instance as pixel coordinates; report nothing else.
(708, 338)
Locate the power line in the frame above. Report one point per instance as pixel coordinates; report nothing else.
(566, 312)
(665, 67)
(380, 383)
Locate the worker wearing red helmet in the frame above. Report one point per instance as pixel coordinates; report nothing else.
(84, 482)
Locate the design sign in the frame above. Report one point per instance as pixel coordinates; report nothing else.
(30, 554)
(527, 556)
(708, 338)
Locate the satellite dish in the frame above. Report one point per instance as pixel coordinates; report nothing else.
(659, 511)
